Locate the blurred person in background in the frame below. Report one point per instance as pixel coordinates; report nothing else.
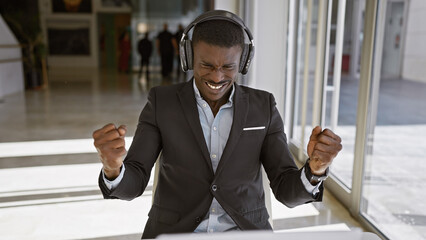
(145, 52)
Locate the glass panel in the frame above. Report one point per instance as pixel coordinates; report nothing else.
(349, 84)
(300, 68)
(394, 180)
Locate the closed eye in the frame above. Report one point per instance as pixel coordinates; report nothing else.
(229, 67)
(206, 65)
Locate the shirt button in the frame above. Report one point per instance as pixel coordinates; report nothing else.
(211, 230)
(213, 210)
(214, 187)
(214, 156)
(204, 105)
(215, 128)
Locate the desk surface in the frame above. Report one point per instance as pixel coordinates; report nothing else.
(256, 235)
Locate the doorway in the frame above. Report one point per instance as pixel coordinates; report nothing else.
(391, 59)
(110, 28)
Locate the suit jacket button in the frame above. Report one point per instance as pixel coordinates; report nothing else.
(198, 220)
(214, 187)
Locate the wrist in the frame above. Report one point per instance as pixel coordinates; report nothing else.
(314, 177)
(316, 167)
(111, 174)
(318, 173)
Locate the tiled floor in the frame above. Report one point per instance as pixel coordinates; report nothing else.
(49, 173)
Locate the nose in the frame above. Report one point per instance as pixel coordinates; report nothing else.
(217, 75)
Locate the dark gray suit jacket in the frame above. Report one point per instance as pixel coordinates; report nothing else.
(170, 123)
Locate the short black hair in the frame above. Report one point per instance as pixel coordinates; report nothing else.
(220, 33)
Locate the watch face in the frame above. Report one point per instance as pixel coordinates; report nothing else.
(318, 178)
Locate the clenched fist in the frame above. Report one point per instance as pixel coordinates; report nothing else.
(323, 147)
(109, 142)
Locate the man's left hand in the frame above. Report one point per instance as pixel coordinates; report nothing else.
(323, 147)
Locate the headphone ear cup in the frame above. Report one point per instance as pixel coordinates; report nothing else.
(188, 53)
(182, 54)
(245, 59)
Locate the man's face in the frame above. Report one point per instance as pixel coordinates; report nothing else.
(215, 70)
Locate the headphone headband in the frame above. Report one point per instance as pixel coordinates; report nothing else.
(185, 44)
(219, 15)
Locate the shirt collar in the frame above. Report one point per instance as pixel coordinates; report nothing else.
(198, 95)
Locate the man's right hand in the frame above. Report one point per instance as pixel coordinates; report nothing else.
(109, 142)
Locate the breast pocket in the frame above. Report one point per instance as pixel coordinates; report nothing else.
(254, 130)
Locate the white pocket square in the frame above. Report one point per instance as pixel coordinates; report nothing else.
(253, 128)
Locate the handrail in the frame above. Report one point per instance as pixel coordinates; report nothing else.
(11, 60)
(11, 46)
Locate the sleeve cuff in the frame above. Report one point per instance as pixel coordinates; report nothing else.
(308, 186)
(111, 185)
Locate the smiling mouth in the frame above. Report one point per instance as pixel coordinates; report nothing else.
(215, 86)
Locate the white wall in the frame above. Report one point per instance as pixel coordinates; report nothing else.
(269, 28)
(11, 71)
(414, 59)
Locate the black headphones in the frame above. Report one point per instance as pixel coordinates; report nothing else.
(185, 45)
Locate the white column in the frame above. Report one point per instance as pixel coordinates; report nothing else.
(269, 30)
(267, 21)
(228, 5)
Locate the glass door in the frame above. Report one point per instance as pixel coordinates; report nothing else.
(393, 184)
(327, 34)
(340, 96)
(307, 23)
(343, 79)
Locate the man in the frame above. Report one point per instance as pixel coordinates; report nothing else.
(145, 51)
(214, 136)
(165, 50)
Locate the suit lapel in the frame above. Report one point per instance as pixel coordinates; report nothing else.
(189, 105)
(241, 103)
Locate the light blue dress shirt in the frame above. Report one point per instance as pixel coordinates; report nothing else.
(216, 131)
